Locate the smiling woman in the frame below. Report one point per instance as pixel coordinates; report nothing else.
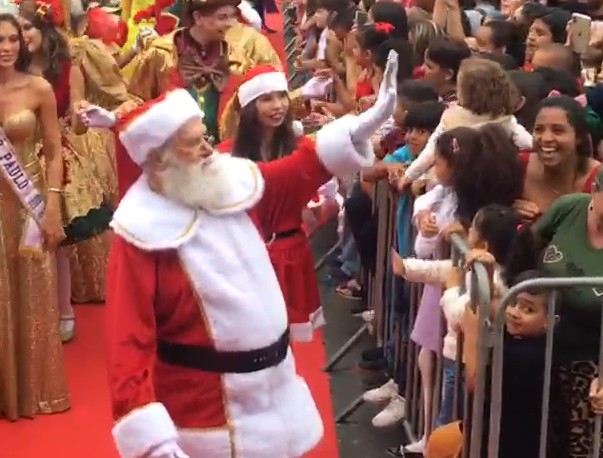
(31, 359)
(562, 163)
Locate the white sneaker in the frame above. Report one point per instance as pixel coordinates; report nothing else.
(392, 414)
(368, 316)
(382, 394)
(416, 447)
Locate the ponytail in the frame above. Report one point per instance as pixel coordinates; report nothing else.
(522, 254)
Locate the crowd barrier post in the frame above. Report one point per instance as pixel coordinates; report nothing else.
(555, 284)
(406, 352)
(376, 281)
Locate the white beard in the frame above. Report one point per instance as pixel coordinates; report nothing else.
(206, 185)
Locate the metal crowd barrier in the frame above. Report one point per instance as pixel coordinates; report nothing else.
(381, 297)
(554, 284)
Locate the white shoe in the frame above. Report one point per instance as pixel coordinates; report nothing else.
(416, 447)
(392, 414)
(368, 316)
(382, 394)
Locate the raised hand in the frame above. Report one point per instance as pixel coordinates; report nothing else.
(95, 116)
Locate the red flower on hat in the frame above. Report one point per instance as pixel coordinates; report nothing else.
(384, 27)
(49, 11)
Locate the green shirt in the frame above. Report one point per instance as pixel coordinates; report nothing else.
(569, 253)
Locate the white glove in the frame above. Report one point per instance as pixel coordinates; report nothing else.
(95, 116)
(168, 450)
(316, 88)
(144, 33)
(250, 15)
(373, 118)
(329, 189)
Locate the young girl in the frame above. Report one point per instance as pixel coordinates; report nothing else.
(419, 122)
(496, 238)
(464, 159)
(486, 96)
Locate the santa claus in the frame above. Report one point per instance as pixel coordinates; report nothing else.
(198, 346)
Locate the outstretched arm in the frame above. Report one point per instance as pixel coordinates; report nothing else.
(342, 147)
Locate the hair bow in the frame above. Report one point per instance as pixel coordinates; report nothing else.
(455, 146)
(384, 27)
(581, 99)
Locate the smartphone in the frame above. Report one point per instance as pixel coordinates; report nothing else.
(580, 30)
(361, 18)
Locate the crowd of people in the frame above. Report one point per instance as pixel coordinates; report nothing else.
(486, 121)
(496, 136)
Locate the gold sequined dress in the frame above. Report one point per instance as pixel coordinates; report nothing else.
(32, 375)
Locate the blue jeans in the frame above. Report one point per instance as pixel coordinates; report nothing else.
(349, 258)
(447, 406)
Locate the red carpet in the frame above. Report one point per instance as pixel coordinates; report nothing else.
(84, 431)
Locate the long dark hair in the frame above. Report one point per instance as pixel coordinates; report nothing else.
(248, 139)
(512, 243)
(54, 44)
(23, 58)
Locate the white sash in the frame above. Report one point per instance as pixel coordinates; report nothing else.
(32, 200)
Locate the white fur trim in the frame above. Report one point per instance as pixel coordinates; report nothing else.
(250, 15)
(229, 267)
(262, 84)
(142, 430)
(304, 332)
(154, 127)
(152, 222)
(298, 128)
(318, 318)
(9, 7)
(301, 332)
(247, 189)
(338, 153)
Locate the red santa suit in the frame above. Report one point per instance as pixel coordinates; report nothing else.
(279, 219)
(199, 361)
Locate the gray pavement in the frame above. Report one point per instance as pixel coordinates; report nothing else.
(357, 438)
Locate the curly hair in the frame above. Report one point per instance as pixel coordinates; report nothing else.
(248, 138)
(485, 88)
(485, 165)
(23, 57)
(54, 44)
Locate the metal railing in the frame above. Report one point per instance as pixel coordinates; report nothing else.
(387, 327)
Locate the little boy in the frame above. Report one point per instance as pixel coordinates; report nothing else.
(522, 384)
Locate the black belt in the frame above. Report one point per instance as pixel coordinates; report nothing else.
(282, 235)
(208, 359)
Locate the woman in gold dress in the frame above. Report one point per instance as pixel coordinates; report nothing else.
(86, 203)
(32, 376)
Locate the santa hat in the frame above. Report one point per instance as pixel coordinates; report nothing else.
(260, 80)
(152, 124)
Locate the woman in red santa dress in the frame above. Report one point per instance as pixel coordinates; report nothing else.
(266, 132)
